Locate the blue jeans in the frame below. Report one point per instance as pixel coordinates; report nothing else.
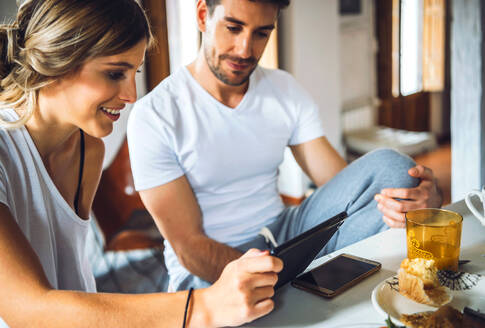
(351, 190)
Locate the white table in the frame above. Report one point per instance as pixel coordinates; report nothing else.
(296, 308)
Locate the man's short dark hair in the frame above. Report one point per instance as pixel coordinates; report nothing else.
(282, 4)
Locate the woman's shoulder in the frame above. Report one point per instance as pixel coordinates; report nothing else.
(5, 148)
(12, 144)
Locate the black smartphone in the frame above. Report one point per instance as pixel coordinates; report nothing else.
(336, 275)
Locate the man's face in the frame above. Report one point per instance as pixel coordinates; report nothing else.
(235, 36)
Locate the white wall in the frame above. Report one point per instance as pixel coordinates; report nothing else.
(309, 49)
(8, 9)
(466, 98)
(310, 43)
(358, 49)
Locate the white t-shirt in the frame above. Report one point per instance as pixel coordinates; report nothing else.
(55, 232)
(229, 156)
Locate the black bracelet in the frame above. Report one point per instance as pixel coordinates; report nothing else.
(187, 306)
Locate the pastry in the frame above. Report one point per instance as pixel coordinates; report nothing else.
(444, 317)
(418, 281)
(416, 320)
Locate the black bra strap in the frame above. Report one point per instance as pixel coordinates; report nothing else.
(81, 168)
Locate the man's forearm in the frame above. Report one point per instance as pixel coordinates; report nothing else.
(205, 257)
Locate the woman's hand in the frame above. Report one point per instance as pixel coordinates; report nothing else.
(243, 291)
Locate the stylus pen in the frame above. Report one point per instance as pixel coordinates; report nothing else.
(269, 245)
(268, 238)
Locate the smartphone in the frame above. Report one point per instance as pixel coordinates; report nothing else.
(336, 275)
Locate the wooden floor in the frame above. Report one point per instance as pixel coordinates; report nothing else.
(439, 161)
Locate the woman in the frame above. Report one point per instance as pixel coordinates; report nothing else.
(67, 70)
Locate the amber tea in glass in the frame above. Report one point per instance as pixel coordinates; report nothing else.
(434, 234)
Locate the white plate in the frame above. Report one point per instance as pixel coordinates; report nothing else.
(387, 300)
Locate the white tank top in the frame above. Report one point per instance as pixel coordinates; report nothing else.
(55, 232)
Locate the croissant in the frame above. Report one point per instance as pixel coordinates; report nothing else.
(418, 281)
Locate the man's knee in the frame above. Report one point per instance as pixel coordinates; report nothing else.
(393, 168)
(391, 157)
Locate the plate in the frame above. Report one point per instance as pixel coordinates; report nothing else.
(388, 302)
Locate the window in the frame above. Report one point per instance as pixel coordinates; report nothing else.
(418, 41)
(410, 59)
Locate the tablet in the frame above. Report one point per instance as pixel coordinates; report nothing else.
(299, 252)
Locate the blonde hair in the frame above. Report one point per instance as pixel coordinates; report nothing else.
(51, 38)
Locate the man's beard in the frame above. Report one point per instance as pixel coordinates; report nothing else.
(219, 73)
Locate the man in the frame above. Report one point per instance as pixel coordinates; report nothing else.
(206, 144)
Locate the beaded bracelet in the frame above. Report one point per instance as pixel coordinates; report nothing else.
(187, 306)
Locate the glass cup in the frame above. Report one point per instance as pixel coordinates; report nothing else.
(434, 234)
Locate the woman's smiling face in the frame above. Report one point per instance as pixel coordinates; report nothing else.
(92, 97)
